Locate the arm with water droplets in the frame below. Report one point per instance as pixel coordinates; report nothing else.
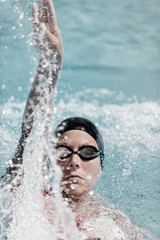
(48, 41)
(39, 106)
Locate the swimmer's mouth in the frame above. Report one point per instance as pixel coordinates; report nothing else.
(72, 177)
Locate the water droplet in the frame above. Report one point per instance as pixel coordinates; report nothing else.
(9, 186)
(19, 88)
(89, 177)
(21, 15)
(72, 186)
(3, 86)
(75, 181)
(40, 160)
(28, 126)
(31, 80)
(49, 111)
(10, 162)
(34, 59)
(91, 193)
(46, 177)
(12, 98)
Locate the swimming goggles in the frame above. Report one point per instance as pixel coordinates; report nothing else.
(84, 152)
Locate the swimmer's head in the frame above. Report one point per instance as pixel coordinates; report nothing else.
(82, 124)
(80, 154)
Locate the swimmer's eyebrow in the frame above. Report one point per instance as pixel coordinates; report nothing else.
(62, 145)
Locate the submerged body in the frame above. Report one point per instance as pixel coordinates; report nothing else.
(96, 221)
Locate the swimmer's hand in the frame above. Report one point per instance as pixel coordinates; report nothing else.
(46, 35)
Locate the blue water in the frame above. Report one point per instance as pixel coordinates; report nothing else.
(111, 74)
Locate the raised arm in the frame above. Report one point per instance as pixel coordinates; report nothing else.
(48, 41)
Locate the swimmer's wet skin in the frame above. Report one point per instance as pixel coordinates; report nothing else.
(81, 155)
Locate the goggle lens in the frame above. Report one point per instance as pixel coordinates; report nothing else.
(87, 152)
(63, 152)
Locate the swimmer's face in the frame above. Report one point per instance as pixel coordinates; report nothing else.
(79, 176)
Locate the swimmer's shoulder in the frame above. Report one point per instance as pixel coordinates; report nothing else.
(132, 231)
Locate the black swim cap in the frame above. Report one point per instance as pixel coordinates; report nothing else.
(78, 123)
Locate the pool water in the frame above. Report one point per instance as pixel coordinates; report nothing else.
(111, 75)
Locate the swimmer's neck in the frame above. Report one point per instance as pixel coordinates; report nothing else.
(80, 205)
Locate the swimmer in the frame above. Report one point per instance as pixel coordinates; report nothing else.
(79, 148)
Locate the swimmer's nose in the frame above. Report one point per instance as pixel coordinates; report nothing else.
(74, 161)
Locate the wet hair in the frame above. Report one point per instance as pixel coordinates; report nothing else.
(83, 124)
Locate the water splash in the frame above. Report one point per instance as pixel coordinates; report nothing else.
(130, 130)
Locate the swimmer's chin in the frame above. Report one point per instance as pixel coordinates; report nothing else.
(73, 193)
